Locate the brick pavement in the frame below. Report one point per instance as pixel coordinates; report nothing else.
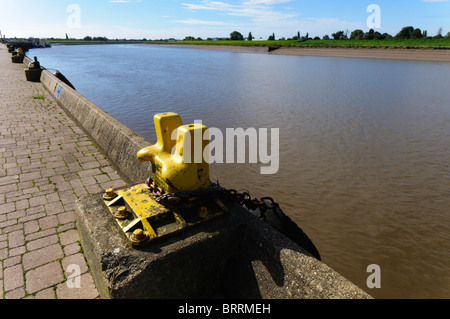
(46, 164)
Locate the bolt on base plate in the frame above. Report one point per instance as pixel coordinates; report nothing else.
(142, 219)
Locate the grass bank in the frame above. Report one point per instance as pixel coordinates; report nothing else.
(96, 42)
(443, 43)
(433, 43)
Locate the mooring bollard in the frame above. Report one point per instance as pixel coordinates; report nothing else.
(179, 194)
(186, 169)
(18, 56)
(33, 73)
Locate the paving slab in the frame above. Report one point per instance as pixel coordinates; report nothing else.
(46, 164)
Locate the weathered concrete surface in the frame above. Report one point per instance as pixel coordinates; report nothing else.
(234, 256)
(46, 164)
(186, 266)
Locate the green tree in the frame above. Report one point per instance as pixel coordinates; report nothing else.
(87, 38)
(379, 36)
(357, 34)
(369, 35)
(236, 36)
(272, 37)
(416, 34)
(405, 33)
(326, 37)
(338, 35)
(250, 37)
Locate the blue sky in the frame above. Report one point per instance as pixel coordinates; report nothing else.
(155, 19)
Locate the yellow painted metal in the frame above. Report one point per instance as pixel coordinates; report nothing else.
(178, 165)
(110, 194)
(147, 220)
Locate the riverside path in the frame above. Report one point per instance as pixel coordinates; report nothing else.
(46, 164)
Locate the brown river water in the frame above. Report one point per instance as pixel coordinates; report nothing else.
(364, 144)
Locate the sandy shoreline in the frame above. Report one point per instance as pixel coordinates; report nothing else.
(395, 54)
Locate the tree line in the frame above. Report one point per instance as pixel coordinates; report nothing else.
(405, 33)
(408, 32)
(89, 38)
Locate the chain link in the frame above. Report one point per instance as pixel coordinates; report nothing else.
(242, 198)
(174, 199)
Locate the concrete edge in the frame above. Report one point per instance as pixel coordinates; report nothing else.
(104, 130)
(237, 256)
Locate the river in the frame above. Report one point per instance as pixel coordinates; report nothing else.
(364, 144)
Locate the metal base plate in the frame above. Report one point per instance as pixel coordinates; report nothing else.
(142, 219)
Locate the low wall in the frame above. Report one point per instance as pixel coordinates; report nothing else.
(233, 257)
(238, 255)
(115, 140)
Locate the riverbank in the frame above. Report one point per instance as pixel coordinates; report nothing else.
(400, 51)
(372, 53)
(395, 54)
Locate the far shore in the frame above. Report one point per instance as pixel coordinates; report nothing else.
(438, 55)
(395, 53)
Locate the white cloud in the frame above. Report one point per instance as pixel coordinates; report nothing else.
(200, 22)
(123, 1)
(209, 5)
(263, 15)
(258, 10)
(266, 2)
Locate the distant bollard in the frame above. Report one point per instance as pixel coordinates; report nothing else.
(18, 56)
(33, 73)
(17, 59)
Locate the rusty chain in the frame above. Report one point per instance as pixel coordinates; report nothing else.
(242, 198)
(176, 199)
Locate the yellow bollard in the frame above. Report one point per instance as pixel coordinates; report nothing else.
(177, 165)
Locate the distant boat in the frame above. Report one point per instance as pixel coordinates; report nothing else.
(40, 43)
